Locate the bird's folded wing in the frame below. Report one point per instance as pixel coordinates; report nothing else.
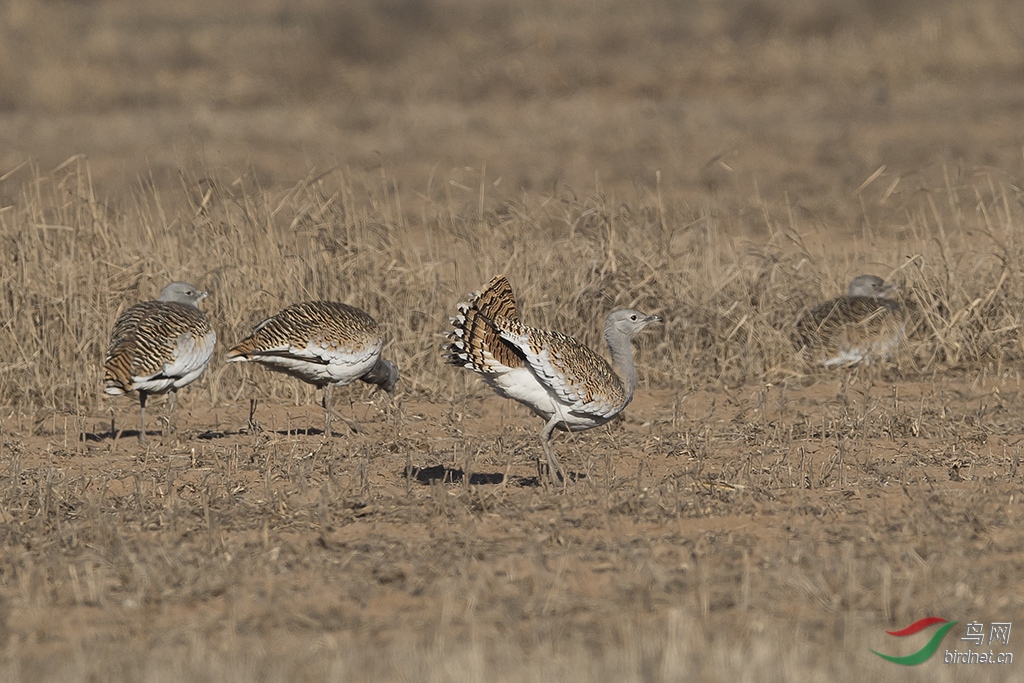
(581, 380)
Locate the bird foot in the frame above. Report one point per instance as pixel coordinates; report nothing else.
(352, 424)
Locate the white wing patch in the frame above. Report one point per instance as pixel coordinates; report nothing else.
(190, 356)
(319, 362)
(563, 389)
(852, 355)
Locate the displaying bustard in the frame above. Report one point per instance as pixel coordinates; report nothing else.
(159, 346)
(554, 375)
(861, 327)
(324, 343)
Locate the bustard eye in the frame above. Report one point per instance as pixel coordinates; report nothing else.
(633, 317)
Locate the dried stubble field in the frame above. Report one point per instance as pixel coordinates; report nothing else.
(747, 518)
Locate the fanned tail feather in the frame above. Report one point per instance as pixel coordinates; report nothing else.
(475, 343)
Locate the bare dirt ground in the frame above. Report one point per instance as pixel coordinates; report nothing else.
(721, 163)
(704, 533)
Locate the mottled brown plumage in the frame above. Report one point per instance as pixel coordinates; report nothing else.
(577, 374)
(861, 327)
(330, 325)
(145, 341)
(159, 346)
(556, 376)
(484, 349)
(324, 343)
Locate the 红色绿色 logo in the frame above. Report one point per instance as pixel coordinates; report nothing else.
(998, 636)
(930, 647)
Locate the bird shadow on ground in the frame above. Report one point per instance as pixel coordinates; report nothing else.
(211, 434)
(287, 431)
(447, 475)
(115, 435)
(205, 435)
(313, 431)
(301, 431)
(108, 435)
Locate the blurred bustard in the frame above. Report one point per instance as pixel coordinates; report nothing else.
(554, 375)
(159, 346)
(861, 327)
(323, 343)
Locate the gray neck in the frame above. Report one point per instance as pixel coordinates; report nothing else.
(384, 374)
(622, 357)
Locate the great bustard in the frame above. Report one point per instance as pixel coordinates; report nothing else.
(554, 375)
(861, 327)
(159, 346)
(324, 343)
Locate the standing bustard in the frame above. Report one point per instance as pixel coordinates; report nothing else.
(861, 327)
(554, 375)
(323, 343)
(159, 346)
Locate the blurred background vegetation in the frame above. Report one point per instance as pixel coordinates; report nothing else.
(794, 101)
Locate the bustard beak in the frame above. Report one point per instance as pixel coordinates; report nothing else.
(889, 289)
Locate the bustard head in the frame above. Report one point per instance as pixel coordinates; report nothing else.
(182, 293)
(870, 286)
(390, 378)
(629, 322)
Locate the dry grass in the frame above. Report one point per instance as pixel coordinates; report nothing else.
(722, 163)
(748, 500)
(806, 97)
(74, 263)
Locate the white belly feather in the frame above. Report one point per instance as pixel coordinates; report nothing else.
(317, 363)
(520, 384)
(190, 358)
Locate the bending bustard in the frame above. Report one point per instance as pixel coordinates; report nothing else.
(323, 343)
(159, 346)
(554, 375)
(861, 327)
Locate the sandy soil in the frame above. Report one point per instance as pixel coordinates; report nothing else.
(716, 532)
(736, 511)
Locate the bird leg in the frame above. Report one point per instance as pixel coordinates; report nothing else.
(390, 406)
(254, 426)
(554, 467)
(327, 411)
(329, 415)
(172, 418)
(142, 414)
(394, 411)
